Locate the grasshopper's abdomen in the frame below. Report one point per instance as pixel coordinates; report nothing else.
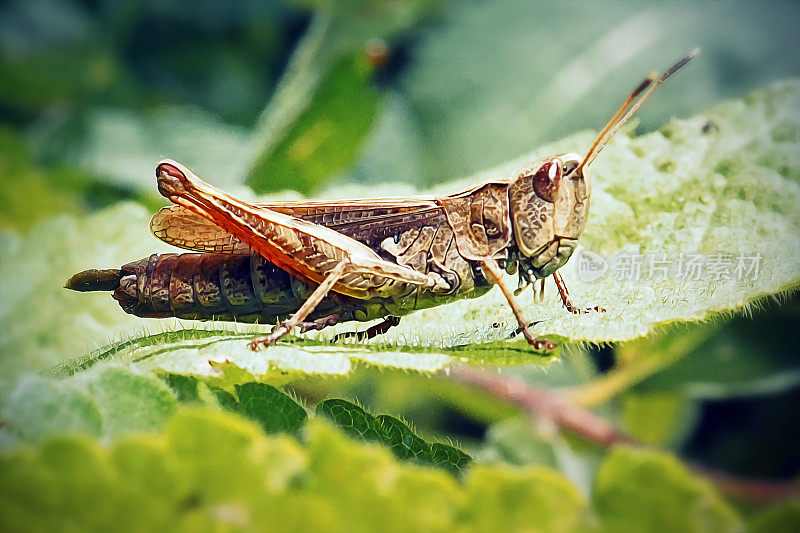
(203, 286)
(244, 288)
(187, 286)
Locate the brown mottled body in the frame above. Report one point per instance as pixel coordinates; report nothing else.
(234, 283)
(239, 288)
(454, 245)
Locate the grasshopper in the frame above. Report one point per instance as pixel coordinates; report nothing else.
(312, 264)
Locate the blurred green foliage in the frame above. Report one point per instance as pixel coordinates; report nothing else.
(237, 84)
(314, 97)
(112, 402)
(328, 135)
(274, 410)
(210, 469)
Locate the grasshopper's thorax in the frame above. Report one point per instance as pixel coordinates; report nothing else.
(548, 204)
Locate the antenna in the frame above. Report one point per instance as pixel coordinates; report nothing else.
(620, 117)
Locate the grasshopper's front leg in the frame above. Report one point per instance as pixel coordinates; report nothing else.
(571, 307)
(494, 270)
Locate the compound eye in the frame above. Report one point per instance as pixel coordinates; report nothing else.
(547, 180)
(569, 167)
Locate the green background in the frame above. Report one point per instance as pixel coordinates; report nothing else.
(324, 98)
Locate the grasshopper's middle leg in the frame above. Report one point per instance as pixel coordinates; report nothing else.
(371, 332)
(537, 343)
(283, 329)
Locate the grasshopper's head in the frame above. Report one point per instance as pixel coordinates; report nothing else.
(549, 204)
(549, 200)
(571, 198)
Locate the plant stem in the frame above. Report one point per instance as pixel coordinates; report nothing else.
(565, 412)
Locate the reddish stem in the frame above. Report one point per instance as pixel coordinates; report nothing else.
(563, 412)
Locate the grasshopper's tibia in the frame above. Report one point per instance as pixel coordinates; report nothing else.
(283, 329)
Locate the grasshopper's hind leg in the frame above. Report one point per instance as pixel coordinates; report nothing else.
(320, 323)
(283, 329)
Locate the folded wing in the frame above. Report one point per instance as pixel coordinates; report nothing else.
(368, 221)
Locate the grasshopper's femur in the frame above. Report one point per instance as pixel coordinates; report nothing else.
(653, 81)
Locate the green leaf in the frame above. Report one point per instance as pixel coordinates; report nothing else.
(225, 455)
(658, 418)
(150, 473)
(393, 433)
(39, 407)
(27, 488)
(83, 471)
(185, 388)
(128, 401)
(273, 409)
(108, 401)
(733, 190)
(526, 498)
(351, 418)
(323, 108)
(328, 135)
(118, 401)
(210, 470)
(222, 358)
(404, 443)
(439, 454)
(514, 441)
(673, 499)
(522, 441)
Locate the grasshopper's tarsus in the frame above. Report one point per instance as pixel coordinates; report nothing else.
(320, 323)
(538, 343)
(278, 332)
(543, 344)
